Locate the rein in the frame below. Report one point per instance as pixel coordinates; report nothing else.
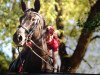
(38, 54)
(35, 54)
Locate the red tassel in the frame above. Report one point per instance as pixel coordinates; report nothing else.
(20, 68)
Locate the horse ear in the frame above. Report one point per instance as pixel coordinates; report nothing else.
(23, 5)
(37, 5)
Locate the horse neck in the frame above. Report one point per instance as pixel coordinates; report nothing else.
(39, 36)
(40, 44)
(39, 33)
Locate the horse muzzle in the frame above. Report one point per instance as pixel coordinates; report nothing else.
(19, 39)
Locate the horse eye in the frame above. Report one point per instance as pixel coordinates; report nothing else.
(19, 26)
(33, 19)
(20, 20)
(30, 17)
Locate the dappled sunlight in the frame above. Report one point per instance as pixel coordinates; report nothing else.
(69, 17)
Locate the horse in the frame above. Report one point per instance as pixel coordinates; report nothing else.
(30, 35)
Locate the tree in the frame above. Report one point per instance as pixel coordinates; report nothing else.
(92, 23)
(4, 62)
(58, 13)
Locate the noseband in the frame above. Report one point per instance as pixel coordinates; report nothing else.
(34, 25)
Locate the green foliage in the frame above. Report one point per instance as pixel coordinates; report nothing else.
(76, 10)
(9, 18)
(10, 11)
(93, 24)
(4, 62)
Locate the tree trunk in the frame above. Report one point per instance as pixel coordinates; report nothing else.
(83, 41)
(80, 51)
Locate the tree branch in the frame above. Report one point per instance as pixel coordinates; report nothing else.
(83, 58)
(95, 37)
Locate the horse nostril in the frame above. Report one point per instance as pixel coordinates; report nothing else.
(19, 38)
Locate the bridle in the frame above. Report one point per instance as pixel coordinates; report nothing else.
(34, 25)
(28, 38)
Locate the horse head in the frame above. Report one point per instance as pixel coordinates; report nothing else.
(30, 23)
